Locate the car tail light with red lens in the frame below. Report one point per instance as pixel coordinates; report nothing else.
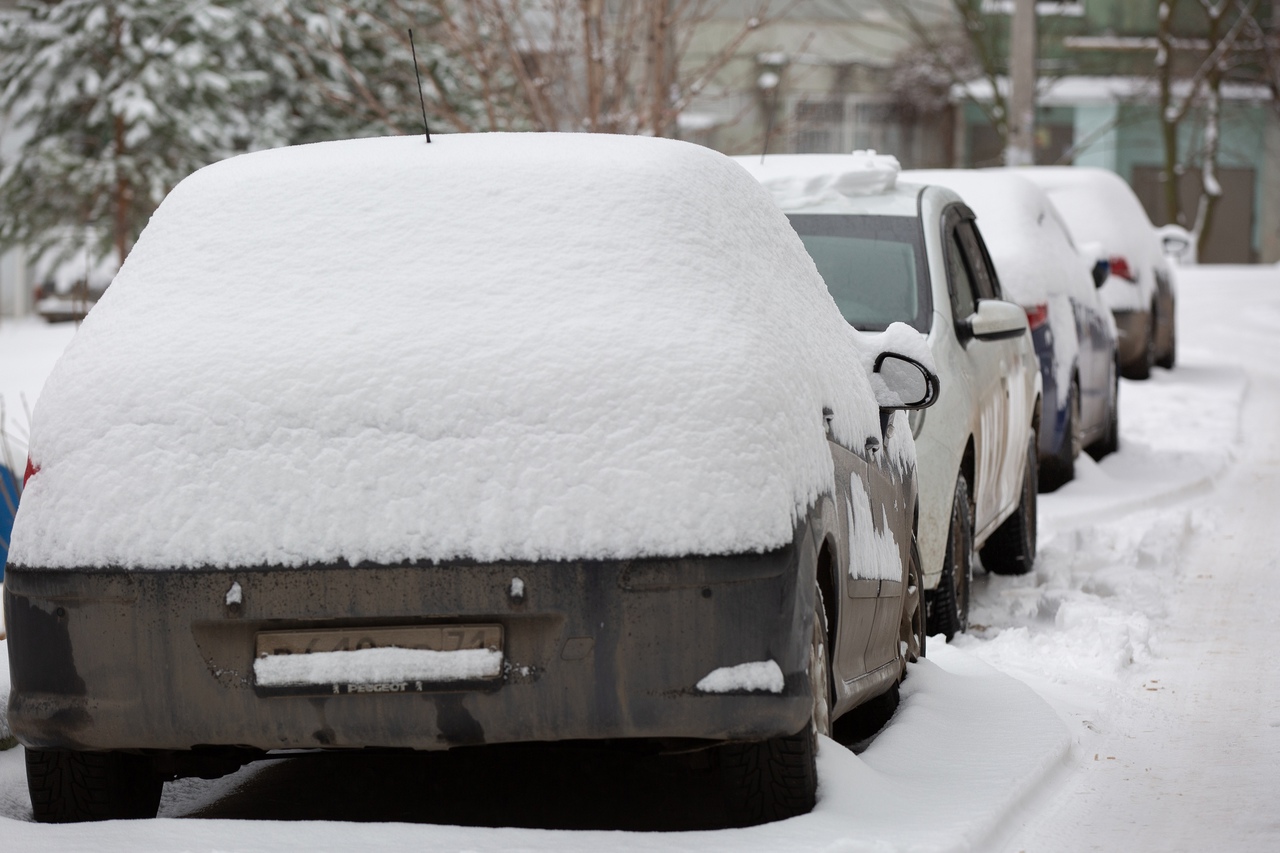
(1037, 316)
(1120, 267)
(31, 472)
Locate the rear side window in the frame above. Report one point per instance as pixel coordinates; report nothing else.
(985, 283)
(874, 267)
(963, 300)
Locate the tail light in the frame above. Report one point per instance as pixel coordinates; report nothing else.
(31, 472)
(1120, 267)
(1037, 316)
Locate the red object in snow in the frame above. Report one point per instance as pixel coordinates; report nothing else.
(31, 472)
(1037, 316)
(1120, 267)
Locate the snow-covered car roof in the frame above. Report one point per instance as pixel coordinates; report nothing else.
(1099, 207)
(505, 346)
(861, 182)
(1028, 242)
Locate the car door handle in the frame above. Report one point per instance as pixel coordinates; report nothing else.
(873, 444)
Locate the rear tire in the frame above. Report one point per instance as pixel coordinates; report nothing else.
(777, 778)
(1141, 368)
(69, 787)
(913, 632)
(1011, 549)
(1170, 358)
(948, 605)
(1110, 441)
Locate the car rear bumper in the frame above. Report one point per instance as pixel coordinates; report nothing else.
(1133, 331)
(116, 659)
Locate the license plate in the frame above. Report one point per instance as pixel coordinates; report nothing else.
(349, 661)
(437, 638)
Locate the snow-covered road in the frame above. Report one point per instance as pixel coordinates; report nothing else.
(1121, 697)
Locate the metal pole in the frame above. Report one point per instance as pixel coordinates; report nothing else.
(1021, 147)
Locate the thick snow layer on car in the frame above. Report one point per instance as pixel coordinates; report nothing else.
(764, 675)
(391, 666)
(493, 346)
(815, 180)
(1100, 208)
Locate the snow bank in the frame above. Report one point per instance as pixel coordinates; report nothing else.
(809, 180)
(495, 346)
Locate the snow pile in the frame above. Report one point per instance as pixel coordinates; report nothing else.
(377, 666)
(763, 675)
(1099, 207)
(809, 180)
(524, 346)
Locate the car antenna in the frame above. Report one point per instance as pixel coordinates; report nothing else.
(418, 74)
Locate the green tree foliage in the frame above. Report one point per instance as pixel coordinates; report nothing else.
(115, 101)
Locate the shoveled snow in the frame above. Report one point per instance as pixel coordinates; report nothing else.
(377, 666)
(764, 675)
(814, 180)
(523, 346)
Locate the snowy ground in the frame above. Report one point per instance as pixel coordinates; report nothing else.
(1121, 697)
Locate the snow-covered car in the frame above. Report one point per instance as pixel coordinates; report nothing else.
(502, 438)
(1074, 334)
(893, 252)
(1100, 208)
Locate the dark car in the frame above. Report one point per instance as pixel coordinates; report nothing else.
(505, 438)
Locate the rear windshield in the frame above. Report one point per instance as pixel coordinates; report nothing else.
(874, 266)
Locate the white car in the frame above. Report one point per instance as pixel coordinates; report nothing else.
(1072, 328)
(893, 252)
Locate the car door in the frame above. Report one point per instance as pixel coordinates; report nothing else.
(980, 368)
(860, 644)
(1009, 405)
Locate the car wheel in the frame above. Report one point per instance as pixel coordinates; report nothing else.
(1141, 368)
(69, 787)
(1170, 357)
(948, 612)
(1060, 469)
(1110, 441)
(1011, 549)
(913, 632)
(777, 778)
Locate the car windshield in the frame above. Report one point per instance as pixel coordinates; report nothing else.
(873, 266)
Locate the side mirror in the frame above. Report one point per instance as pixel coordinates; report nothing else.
(1101, 272)
(996, 319)
(900, 382)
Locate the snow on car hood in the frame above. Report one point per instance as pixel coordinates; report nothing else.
(493, 347)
